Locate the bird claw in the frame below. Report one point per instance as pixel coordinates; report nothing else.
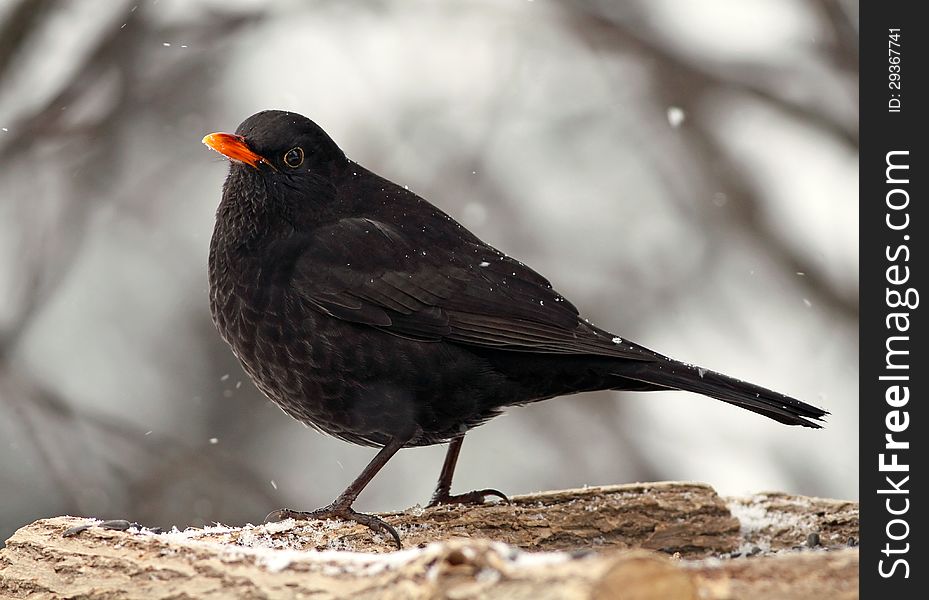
(341, 513)
(471, 498)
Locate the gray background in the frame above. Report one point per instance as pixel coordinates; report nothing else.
(729, 239)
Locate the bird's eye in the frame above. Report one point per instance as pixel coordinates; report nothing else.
(294, 157)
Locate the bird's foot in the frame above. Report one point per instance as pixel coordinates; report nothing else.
(475, 497)
(344, 513)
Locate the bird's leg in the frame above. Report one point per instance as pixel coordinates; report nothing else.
(341, 507)
(442, 489)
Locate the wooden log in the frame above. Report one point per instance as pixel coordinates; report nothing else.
(589, 543)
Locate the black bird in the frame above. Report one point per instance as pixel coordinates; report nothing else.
(366, 312)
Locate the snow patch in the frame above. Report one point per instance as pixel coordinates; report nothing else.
(289, 544)
(754, 516)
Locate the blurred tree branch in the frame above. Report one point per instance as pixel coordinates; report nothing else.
(834, 18)
(681, 81)
(15, 30)
(634, 36)
(52, 247)
(142, 461)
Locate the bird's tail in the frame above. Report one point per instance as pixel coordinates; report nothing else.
(670, 374)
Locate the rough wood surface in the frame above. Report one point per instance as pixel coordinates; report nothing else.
(689, 518)
(589, 543)
(777, 521)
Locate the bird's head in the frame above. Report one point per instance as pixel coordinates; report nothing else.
(283, 175)
(279, 142)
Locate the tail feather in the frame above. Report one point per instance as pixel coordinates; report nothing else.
(670, 374)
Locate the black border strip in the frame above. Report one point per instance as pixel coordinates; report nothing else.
(894, 226)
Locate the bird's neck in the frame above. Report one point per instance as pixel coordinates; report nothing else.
(246, 214)
(242, 225)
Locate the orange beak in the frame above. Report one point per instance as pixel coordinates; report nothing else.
(234, 147)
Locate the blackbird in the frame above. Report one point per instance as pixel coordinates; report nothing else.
(366, 312)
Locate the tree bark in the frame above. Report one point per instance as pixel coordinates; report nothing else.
(663, 540)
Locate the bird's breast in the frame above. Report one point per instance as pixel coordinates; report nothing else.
(351, 380)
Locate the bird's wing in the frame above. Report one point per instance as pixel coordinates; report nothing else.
(368, 272)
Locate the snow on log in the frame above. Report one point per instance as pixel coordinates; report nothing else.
(662, 540)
